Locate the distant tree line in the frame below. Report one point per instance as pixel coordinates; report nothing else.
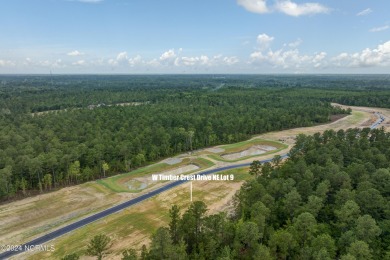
(176, 114)
(329, 200)
(51, 150)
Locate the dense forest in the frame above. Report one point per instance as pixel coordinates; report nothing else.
(329, 200)
(62, 130)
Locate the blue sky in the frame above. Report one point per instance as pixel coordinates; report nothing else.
(194, 36)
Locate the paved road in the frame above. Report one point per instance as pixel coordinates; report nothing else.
(379, 121)
(57, 233)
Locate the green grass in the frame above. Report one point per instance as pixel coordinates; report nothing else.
(118, 183)
(241, 146)
(128, 222)
(117, 227)
(356, 117)
(240, 174)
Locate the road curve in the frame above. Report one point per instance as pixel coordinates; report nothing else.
(59, 232)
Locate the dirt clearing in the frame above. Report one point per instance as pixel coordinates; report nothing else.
(132, 227)
(254, 150)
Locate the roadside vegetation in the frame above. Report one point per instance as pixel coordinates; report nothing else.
(88, 137)
(243, 146)
(119, 183)
(329, 200)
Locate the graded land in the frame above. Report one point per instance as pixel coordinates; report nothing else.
(23, 220)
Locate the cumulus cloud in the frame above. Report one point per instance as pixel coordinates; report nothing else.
(290, 8)
(135, 60)
(364, 12)
(168, 55)
(379, 29)
(284, 6)
(288, 57)
(291, 58)
(75, 53)
(230, 60)
(6, 63)
(254, 6)
(285, 59)
(377, 57)
(264, 41)
(295, 44)
(79, 63)
(204, 61)
(123, 59)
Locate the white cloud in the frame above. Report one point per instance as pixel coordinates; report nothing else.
(188, 61)
(75, 53)
(204, 61)
(254, 6)
(364, 12)
(168, 55)
(285, 59)
(318, 59)
(377, 57)
(121, 57)
(153, 63)
(284, 6)
(135, 61)
(379, 29)
(290, 8)
(295, 44)
(6, 63)
(230, 60)
(27, 61)
(79, 63)
(291, 59)
(264, 41)
(58, 64)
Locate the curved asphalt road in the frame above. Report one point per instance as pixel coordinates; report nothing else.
(59, 232)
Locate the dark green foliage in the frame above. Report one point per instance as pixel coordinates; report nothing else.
(255, 168)
(174, 231)
(73, 256)
(129, 254)
(330, 220)
(98, 246)
(164, 115)
(319, 203)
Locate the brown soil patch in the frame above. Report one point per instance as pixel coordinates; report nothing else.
(253, 150)
(334, 118)
(133, 233)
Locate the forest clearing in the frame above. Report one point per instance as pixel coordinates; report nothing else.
(82, 197)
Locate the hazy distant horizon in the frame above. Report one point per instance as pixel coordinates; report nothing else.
(194, 37)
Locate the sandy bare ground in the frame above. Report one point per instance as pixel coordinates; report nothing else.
(253, 150)
(153, 213)
(371, 110)
(172, 161)
(145, 182)
(26, 219)
(215, 150)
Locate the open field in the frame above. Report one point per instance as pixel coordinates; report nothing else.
(244, 150)
(25, 219)
(120, 183)
(132, 227)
